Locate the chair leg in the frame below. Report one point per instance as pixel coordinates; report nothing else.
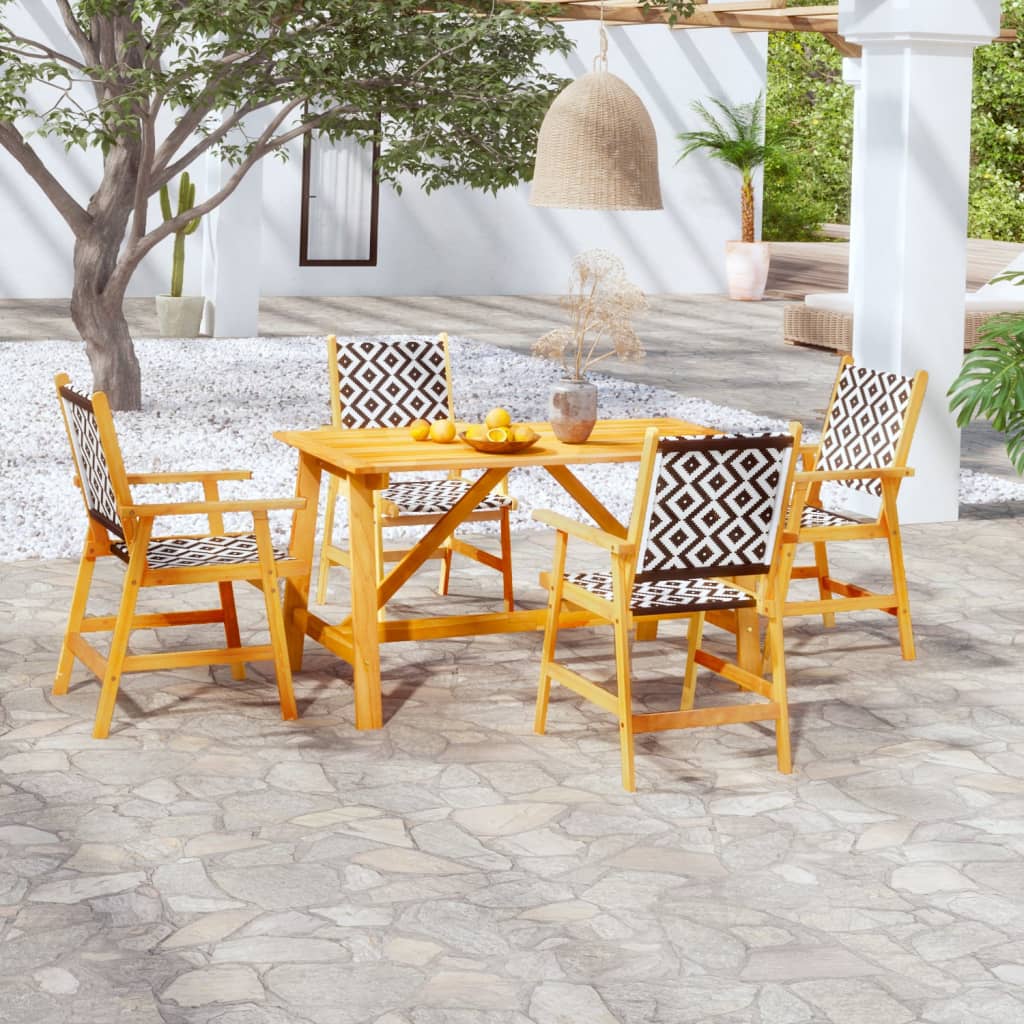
(624, 684)
(446, 567)
(647, 629)
(333, 484)
(505, 528)
(899, 574)
(275, 618)
(784, 753)
(79, 601)
(694, 635)
(621, 624)
(231, 634)
(547, 654)
(821, 566)
(122, 630)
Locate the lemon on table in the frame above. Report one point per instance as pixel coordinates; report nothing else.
(442, 431)
(476, 432)
(498, 418)
(497, 434)
(522, 433)
(419, 430)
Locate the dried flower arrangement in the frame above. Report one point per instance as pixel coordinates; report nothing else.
(601, 304)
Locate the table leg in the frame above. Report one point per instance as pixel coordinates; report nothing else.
(363, 576)
(303, 539)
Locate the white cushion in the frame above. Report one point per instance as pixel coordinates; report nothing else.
(830, 302)
(996, 303)
(984, 300)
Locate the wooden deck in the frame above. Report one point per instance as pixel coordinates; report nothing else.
(801, 267)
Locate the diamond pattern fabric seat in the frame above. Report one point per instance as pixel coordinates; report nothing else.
(388, 383)
(865, 445)
(814, 516)
(186, 552)
(436, 497)
(708, 512)
(667, 596)
(121, 527)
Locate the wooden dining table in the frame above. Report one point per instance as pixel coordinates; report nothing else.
(365, 460)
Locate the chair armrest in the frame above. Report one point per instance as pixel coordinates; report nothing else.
(591, 534)
(194, 508)
(189, 476)
(869, 473)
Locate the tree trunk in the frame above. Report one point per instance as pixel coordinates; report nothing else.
(747, 210)
(97, 305)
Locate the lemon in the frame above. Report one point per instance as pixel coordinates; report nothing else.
(522, 433)
(497, 434)
(419, 430)
(476, 432)
(498, 418)
(442, 431)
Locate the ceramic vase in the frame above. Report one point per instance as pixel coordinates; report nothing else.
(573, 410)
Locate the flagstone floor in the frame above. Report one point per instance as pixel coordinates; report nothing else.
(211, 864)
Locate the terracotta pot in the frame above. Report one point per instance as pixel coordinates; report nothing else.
(746, 269)
(179, 316)
(573, 410)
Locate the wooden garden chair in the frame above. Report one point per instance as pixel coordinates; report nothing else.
(705, 535)
(377, 382)
(122, 528)
(864, 445)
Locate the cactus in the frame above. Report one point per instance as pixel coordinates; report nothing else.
(186, 200)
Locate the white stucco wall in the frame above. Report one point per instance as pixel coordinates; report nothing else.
(454, 241)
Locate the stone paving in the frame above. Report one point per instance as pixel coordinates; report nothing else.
(211, 864)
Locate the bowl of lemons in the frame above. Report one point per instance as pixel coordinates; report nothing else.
(498, 435)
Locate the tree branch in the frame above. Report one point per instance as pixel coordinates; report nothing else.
(77, 33)
(75, 216)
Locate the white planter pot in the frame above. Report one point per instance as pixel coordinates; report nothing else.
(746, 269)
(179, 316)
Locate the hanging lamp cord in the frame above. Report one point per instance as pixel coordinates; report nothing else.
(601, 60)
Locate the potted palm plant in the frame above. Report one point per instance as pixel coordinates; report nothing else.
(736, 137)
(179, 315)
(991, 382)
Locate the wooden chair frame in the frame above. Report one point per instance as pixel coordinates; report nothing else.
(836, 595)
(387, 514)
(765, 588)
(137, 521)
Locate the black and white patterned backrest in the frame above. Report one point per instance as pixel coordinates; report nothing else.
(715, 506)
(865, 422)
(389, 382)
(92, 462)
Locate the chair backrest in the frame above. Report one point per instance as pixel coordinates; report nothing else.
(870, 421)
(96, 453)
(389, 382)
(715, 505)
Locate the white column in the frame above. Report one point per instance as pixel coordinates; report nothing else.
(909, 263)
(231, 253)
(853, 76)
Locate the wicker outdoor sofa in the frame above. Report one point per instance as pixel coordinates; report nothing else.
(824, 328)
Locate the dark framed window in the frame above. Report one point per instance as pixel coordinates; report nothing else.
(340, 203)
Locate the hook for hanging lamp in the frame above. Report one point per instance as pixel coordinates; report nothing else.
(597, 148)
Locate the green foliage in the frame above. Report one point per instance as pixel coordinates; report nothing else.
(455, 90)
(809, 105)
(996, 208)
(737, 139)
(991, 383)
(186, 200)
(811, 109)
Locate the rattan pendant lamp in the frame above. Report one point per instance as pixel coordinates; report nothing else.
(597, 149)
